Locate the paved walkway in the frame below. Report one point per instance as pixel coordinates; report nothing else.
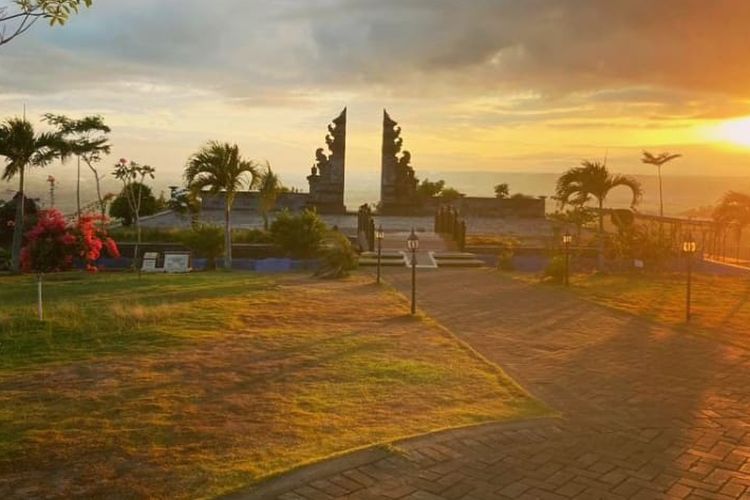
(645, 412)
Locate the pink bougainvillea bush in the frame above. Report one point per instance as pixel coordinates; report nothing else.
(54, 244)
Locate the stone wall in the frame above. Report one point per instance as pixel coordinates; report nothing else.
(494, 207)
(250, 201)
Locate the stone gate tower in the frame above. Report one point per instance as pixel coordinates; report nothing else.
(398, 184)
(326, 178)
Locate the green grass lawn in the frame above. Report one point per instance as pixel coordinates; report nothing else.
(192, 386)
(720, 305)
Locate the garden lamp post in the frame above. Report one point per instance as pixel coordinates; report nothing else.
(567, 240)
(379, 235)
(688, 249)
(412, 243)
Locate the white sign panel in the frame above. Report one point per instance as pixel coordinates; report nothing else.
(177, 262)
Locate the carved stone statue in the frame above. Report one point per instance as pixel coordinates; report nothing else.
(398, 182)
(327, 179)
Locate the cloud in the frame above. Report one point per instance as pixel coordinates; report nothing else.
(554, 46)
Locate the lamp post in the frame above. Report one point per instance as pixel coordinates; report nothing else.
(379, 235)
(412, 243)
(688, 249)
(567, 240)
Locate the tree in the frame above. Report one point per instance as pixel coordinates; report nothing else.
(87, 140)
(27, 12)
(734, 210)
(449, 194)
(219, 168)
(23, 148)
(502, 191)
(269, 187)
(121, 208)
(429, 189)
(8, 216)
(132, 176)
(659, 161)
(53, 245)
(184, 202)
(592, 179)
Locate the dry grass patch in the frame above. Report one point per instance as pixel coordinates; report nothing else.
(721, 305)
(257, 377)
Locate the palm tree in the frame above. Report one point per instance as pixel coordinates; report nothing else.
(22, 148)
(592, 179)
(219, 168)
(87, 140)
(659, 161)
(269, 186)
(734, 210)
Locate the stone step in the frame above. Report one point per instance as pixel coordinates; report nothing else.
(454, 256)
(459, 263)
(384, 262)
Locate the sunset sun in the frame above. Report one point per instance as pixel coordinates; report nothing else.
(735, 132)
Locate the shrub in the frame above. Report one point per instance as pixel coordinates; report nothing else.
(251, 236)
(555, 270)
(298, 235)
(337, 256)
(205, 241)
(54, 245)
(4, 259)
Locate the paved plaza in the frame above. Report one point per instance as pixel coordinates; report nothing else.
(638, 410)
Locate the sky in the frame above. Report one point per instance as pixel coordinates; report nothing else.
(477, 85)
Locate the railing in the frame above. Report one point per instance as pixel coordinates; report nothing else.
(448, 221)
(366, 227)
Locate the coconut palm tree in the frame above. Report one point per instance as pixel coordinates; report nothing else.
(659, 160)
(269, 186)
(23, 148)
(88, 141)
(734, 211)
(592, 180)
(219, 168)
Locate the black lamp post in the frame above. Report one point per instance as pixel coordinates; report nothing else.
(567, 240)
(689, 248)
(412, 243)
(379, 235)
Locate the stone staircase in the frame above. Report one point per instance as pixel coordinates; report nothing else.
(434, 252)
(425, 260)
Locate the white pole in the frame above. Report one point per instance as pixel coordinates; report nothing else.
(39, 296)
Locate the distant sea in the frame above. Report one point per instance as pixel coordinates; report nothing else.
(681, 193)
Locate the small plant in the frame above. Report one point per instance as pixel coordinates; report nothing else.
(505, 255)
(205, 241)
(337, 256)
(298, 235)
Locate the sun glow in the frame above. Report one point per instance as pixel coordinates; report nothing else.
(734, 131)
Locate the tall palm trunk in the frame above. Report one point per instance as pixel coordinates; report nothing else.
(600, 257)
(228, 232)
(661, 194)
(18, 228)
(102, 208)
(78, 189)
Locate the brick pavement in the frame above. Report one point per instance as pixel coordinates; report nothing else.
(645, 412)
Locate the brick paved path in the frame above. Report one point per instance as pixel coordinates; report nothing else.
(645, 412)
